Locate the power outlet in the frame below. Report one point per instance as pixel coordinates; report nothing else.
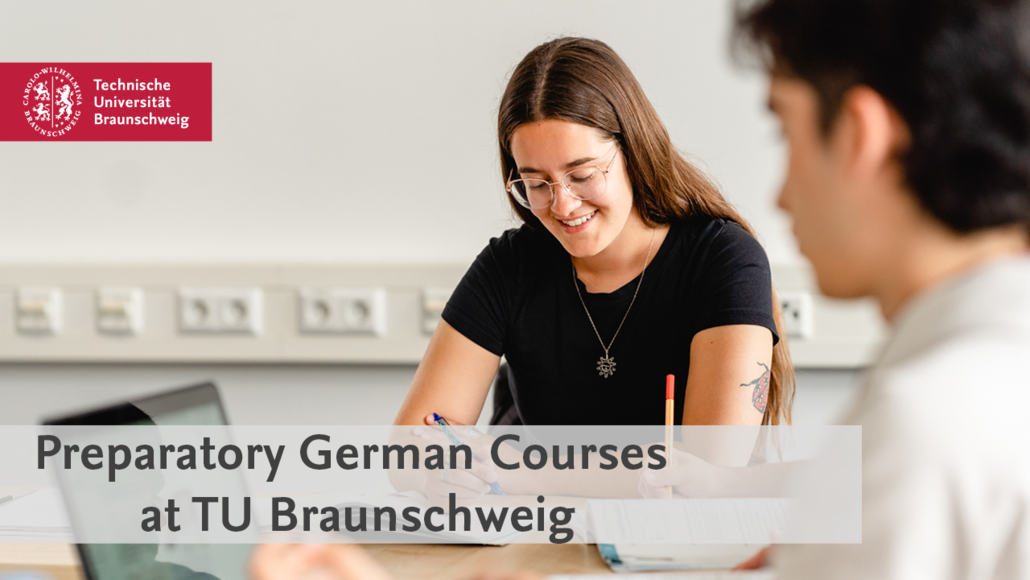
(433, 302)
(38, 310)
(797, 313)
(343, 311)
(120, 311)
(221, 310)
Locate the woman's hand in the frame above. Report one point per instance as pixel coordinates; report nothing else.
(314, 562)
(508, 575)
(759, 560)
(453, 378)
(689, 476)
(466, 484)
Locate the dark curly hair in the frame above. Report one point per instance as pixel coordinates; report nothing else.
(956, 71)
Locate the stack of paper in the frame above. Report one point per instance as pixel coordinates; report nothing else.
(690, 521)
(38, 514)
(643, 557)
(639, 535)
(726, 575)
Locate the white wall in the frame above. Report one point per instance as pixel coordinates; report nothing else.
(253, 394)
(343, 132)
(293, 395)
(349, 131)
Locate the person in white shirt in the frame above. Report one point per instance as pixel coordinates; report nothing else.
(908, 180)
(908, 125)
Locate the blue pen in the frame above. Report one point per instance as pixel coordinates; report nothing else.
(454, 439)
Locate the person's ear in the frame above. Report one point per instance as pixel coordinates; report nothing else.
(872, 133)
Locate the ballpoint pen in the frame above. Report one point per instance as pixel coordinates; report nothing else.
(454, 439)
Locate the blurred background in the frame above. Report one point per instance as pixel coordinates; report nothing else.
(301, 257)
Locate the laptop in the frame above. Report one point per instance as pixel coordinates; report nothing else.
(193, 405)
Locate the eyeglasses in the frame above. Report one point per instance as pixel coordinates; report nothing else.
(582, 183)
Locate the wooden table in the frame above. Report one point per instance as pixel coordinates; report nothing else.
(404, 561)
(57, 561)
(425, 562)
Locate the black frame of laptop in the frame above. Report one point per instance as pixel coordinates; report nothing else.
(129, 411)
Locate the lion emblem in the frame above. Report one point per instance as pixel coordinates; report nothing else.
(50, 99)
(65, 102)
(42, 112)
(42, 93)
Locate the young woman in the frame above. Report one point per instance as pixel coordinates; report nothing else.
(629, 266)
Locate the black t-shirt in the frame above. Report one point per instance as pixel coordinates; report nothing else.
(518, 299)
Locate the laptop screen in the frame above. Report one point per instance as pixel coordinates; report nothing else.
(193, 405)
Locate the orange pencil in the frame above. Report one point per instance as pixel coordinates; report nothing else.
(670, 406)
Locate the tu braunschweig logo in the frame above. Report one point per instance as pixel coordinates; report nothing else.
(52, 99)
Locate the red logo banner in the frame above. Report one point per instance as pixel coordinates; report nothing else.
(105, 101)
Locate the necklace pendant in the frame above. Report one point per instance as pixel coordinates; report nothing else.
(606, 366)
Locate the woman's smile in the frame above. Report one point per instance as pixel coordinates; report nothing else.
(577, 224)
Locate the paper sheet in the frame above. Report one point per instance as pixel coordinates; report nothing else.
(724, 575)
(689, 521)
(40, 513)
(643, 557)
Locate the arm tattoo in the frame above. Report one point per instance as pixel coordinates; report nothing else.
(761, 393)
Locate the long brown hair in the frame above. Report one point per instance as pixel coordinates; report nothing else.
(583, 81)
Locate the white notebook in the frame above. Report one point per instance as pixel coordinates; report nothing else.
(37, 514)
(726, 575)
(644, 557)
